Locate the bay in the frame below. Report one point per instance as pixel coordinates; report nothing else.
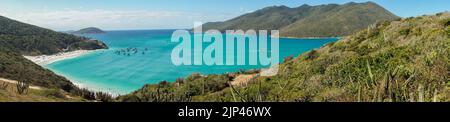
(119, 70)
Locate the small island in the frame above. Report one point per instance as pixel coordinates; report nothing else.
(89, 30)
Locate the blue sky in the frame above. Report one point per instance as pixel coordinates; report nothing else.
(169, 14)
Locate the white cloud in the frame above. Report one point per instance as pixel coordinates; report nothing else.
(115, 20)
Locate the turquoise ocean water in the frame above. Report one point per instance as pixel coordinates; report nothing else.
(136, 58)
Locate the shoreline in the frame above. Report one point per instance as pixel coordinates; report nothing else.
(43, 60)
(112, 92)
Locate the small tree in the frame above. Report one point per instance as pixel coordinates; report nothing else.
(22, 87)
(104, 97)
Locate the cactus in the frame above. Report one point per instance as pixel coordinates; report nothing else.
(22, 87)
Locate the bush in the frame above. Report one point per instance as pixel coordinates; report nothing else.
(405, 32)
(445, 22)
(104, 97)
(311, 55)
(22, 87)
(288, 58)
(14, 66)
(156, 93)
(85, 93)
(54, 93)
(447, 30)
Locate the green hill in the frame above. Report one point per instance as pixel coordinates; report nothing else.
(32, 40)
(399, 61)
(90, 30)
(17, 39)
(14, 66)
(309, 21)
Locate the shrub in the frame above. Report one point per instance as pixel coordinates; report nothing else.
(151, 94)
(311, 55)
(22, 87)
(447, 30)
(130, 98)
(288, 58)
(85, 93)
(179, 80)
(54, 93)
(445, 22)
(405, 32)
(409, 18)
(104, 97)
(330, 95)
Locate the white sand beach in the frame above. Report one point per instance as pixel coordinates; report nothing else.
(48, 59)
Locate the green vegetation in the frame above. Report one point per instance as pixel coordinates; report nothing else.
(399, 61)
(32, 40)
(181, 90)
(17, 39)
(309, 21)
(22, 87)
(14, 66)
(10, 94)
(90, 30)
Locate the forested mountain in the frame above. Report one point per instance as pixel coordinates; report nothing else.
(90, 30)
(33, 40)
(309, 21)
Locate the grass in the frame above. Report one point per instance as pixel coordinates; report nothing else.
(10, 94)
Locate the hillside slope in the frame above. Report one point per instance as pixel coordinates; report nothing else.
(32, 40)
(17, 39)
(309, 21)
(340, 21)
(8, 93)
(14, 66)
(398, 61)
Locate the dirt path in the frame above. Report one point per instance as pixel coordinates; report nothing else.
(242, 79)
(15, 82)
